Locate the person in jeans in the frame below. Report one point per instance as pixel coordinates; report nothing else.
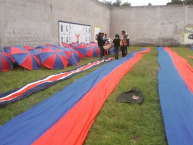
(116, 42)
(101, 42)
(124, 44)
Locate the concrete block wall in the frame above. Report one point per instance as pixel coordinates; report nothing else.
(152, 25)
(35, 22)
(26, 22)
(2, 22)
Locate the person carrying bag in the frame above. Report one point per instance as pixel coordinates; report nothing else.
(124, 44)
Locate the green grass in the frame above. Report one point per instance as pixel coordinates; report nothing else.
(117, 123)
(19, 77)
(125, 124)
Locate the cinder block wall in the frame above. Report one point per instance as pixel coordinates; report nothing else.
(152, 25)
(35, 22)
(25, 22)
(2, 22)
(88, 12)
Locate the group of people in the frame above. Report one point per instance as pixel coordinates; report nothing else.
(119, 43)
(102, 39)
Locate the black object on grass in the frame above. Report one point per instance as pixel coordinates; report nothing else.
(133, 96)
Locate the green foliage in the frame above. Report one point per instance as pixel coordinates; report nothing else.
(126, 4)
(110, 3)
(173, 2)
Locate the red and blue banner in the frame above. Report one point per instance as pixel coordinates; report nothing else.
(176, 96)
(66, 117)
(23, 92)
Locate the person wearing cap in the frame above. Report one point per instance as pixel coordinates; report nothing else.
(116, 42)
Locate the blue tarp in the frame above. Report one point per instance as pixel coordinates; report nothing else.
(176, 102)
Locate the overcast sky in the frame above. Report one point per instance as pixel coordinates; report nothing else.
(145, 2)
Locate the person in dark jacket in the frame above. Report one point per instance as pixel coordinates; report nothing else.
(116, 42)
(101, 42)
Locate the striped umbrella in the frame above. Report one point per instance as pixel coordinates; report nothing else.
(53, 58)
(25, 58)
(5, 62)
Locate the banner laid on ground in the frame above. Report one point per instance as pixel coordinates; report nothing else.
(23, 92)
(66, 117)
(176, 96)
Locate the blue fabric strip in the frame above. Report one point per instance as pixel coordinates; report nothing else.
(29, 126)
(176, 102)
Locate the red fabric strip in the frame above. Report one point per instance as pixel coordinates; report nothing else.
(72, 128)
(183, 67)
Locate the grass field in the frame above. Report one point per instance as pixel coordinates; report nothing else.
(117, 123)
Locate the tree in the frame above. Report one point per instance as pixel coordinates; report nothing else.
(174, 2)
(188, 1)
(126, 4)
(117, 3)
(110, 3)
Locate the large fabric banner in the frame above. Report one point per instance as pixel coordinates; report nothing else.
(175, 79)
(65, 118)
(33, 87)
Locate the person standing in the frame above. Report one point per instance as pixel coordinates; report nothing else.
(101, 42)
(107, 52)
(127, 39)
(124, 44)
(104, 36)
(116, 42)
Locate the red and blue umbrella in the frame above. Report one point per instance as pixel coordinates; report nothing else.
(53, 58)
(92, 52)
(52, 46)
(5, 62)
(71, 59)
(65, 48)
(93, 44)
(28, 48)
(81, 51)
(42, 47)
(75, 54)
(8, 52)
(65, 44)
(35, 51)
(74, 45)
(25, 58)
(70, 55)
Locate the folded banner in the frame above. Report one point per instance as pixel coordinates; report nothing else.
(66, 117)
(23, 92)
(176, 96)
